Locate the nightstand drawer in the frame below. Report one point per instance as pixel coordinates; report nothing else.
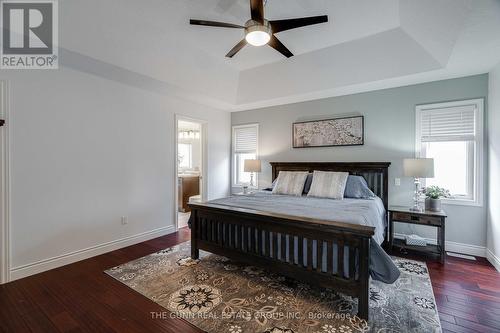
(417, 219)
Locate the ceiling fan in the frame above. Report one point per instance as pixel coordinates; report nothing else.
(259, 31)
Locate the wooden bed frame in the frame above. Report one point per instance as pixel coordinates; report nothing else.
(251, 236)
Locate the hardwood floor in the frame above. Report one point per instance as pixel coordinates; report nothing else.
(81, 298)
(467, 294)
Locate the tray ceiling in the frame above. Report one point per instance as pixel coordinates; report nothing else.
(365, 45)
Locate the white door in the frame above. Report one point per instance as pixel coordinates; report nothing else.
(4, 186)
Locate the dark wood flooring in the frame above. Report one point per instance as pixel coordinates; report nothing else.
(81, 298)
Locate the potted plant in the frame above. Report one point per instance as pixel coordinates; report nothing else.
(433, 195)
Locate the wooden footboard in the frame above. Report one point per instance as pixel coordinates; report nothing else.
(284, 244)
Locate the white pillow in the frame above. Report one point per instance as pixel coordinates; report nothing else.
(328, 184)
(290, 182)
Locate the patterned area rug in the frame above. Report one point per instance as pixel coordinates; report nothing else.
(218, 295)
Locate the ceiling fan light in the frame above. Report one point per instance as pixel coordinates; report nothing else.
(258, 38)
(257, 34)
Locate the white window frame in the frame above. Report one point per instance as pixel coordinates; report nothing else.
(478, 145)
(234, 164)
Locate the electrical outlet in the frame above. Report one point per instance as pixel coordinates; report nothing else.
(124, 220)
(397, 181)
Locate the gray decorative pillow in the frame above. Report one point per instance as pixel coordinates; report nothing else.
(328, 184)
(357, 188)
(290, 182)
(307, 185)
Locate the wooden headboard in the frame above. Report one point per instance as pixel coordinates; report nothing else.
(375, 173)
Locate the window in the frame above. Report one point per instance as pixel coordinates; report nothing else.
(452, 134)
(185, 155)
(245, 147)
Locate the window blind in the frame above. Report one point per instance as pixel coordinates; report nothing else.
(448, 124)
(245, 139)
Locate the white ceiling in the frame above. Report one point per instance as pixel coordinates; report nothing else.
(341, 28)
(365, 45)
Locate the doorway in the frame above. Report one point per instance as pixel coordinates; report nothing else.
(190, 167)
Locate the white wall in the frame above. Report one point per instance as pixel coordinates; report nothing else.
(86, 151)
(493, 226)
(389, 136)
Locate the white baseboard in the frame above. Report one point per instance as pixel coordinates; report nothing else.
(493, 259)
(473, 250)
(68, 258)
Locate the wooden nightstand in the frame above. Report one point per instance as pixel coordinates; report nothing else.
(428, 218)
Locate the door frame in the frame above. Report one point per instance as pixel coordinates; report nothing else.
(204, 161)
(4, 184)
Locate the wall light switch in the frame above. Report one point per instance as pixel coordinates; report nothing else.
(124, 220)
(397, 181)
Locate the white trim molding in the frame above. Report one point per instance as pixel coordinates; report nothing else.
(71, 257)
(493, 259)
(473, 250)
(4, 184)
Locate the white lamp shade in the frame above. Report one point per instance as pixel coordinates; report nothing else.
(418, 167)
(252, 166)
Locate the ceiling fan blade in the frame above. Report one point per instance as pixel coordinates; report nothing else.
(257, 10)
(278, 46)
(237, 48)
(215, 24)
(282, 25)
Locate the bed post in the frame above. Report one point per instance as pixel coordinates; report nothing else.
(195, 251)
(364, 278)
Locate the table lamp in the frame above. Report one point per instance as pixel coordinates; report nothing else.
(418, 168)
(252, 166)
